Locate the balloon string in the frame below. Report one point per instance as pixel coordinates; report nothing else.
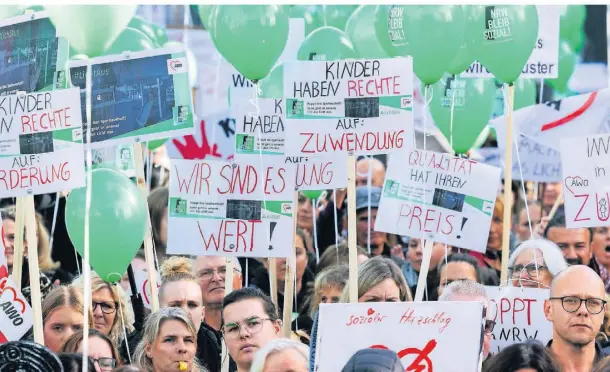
(369, 185)
(315, 229)
(124, 328)
(451, 119)
(89, 186)
(336, 223)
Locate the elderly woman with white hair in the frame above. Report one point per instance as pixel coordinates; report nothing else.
(281, 354)
(535, 263)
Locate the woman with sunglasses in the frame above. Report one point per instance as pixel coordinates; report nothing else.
(102, 352)
(535, 263)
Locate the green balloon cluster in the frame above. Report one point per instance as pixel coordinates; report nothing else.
(388, 41)
(117, 222)
(312, 14)
(326, 44)
(337, 15)
(571, 25)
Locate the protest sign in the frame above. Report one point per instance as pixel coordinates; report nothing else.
(32, 58)
(423, 334)
(41, 148)
(142, 281)
(234, 209)
(543, 62)
(17, 317)
(519, 316)
(586, 180)
(137, 97)
(549, 122)
(439, 197)
(359, 106)
(120, 158)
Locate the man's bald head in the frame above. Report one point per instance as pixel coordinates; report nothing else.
(377, 173)
(581, 275)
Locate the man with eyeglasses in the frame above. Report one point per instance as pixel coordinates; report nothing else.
(576, 308)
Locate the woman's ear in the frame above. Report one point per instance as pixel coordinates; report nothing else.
(278, 326)
(147, 350)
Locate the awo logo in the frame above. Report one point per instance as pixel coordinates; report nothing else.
(372, 316)
(405, 101)
(286, 208)
(13, 307)
(176, 65)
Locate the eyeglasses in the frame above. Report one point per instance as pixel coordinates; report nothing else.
(254, 325)
(106, 364)
(571, 304)
(531, 269)
(107, 307)
(489, 326)
(207, 274)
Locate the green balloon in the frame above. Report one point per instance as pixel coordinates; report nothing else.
(160, 34)
(433, 34)
(205, 12)
(79, 57)
(90, 29)
(577, 40)
(572, 19)
(312, 194)
(382, 29)
(525, 93)
(130, 40)
(145, 27)
(155, 144)
(9, 11)
(360, 29)
(567, 62)
(250, 37)
(337, 15)
(326, 44)
(272, 86)
(117, 222)
(506, 38)
(312, 14)
(464, 56)
(472, 101)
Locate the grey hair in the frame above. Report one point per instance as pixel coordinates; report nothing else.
(464, 288)
(151, 331)
(374, 271)
(551, 254)
(276, 346)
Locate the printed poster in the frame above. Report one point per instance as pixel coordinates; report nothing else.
(32, 58)
(359, 106)
(519, 316)
(543, 62)
(423, 334)
(231, 209)
(119, 158)
(439, 197)
(137, 97)
(41, 148)
(17, 317)
(586, 180)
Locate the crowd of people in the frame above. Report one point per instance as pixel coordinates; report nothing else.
(199, 328)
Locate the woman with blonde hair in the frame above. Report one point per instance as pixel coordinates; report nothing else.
(328, 286)
(380, 280)
(109, 306)
(169, 343)
(62, 316)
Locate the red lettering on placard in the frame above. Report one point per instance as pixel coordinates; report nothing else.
(434, 220)
(242, 232)
(511, 308)
(374, 87)
(346, 142)
(55, 119)
(27, 177)
(314, 173)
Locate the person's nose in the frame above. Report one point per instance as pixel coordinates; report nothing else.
(216, 276)
(97, 312)
(582, 310)
(181, 347)
(570, 253)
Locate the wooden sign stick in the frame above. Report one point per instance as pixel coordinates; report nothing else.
(19, 242)
(291, 263)
(229, 276)
(148, 244)
(351, 229)
(508, 178)
(423, 271)
(271, 264)
(558, 202)
(32, 239)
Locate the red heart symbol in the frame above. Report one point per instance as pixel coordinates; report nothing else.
(15, 298)
(569, 180)
(370, 311)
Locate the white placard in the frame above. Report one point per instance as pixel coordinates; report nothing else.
(439, 197)
(360, 106)
(231, 209)
(423, 334)
(586, 180)
(141, 278)
(543, 62)
(519, 316)
(41, 148)
(16, 314)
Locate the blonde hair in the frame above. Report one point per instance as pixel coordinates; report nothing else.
(65, 295)
(374, 271)
(332, 277)
(176, 269)
(119, 297)
(151, 331)
(277, 346)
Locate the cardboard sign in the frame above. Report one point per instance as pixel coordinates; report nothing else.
(41, 148)
(32, 58)
(543, 62)
(119, 158)
(519, 316)
(423, 334)
(359, 106)
(136, 97)
(586, 180)
(141, 278)
(231, 209)
(439, 197)
(16, 316)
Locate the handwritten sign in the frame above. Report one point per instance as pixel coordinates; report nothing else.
(143, 287)
(439, 197)
(3, 263)
(16, 314)
(232, 209)
(142, 96)
(543, 62)
(360, 106)
(423, 334)
(519, 316)
(41, 148)
(586, 180)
